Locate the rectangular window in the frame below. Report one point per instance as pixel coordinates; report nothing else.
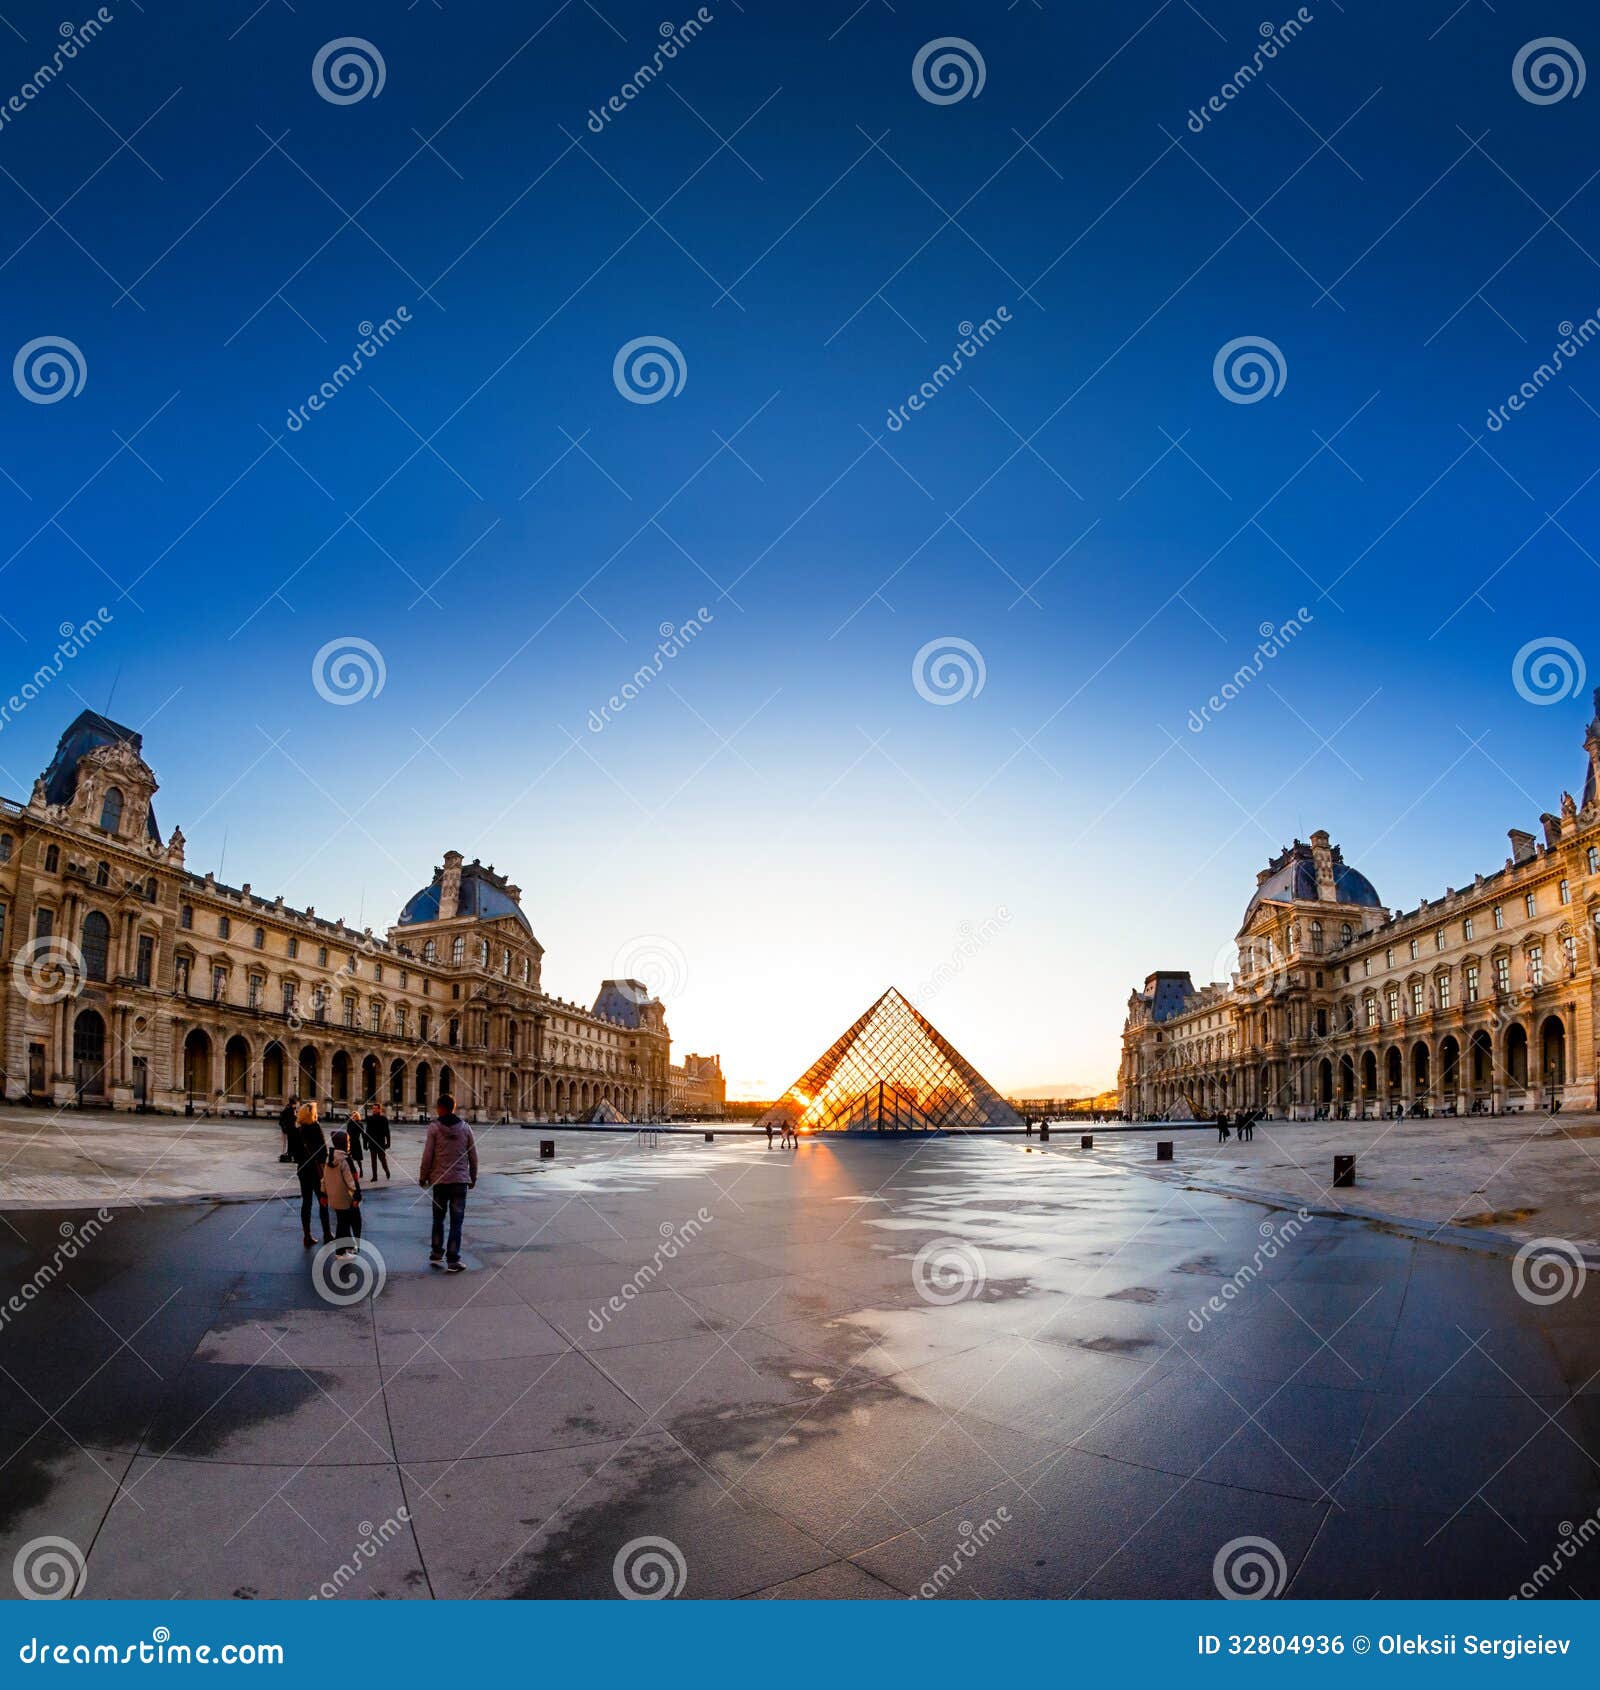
(349, 1012)
(1438, 940)
(1466, 930)
(1532, 903)
(376, 1024)
(145, 961)
(186, 916)
(1472, 982)
(1566, 892)
(1569, 946)
(1444, 991)
(1535, 965)
(422, 1025)
(288, 997)
(1413, 949)
(1499, 918)
(1393, 1001)
(253, 991)
(319, 999)
(1502, 975)
(44, 924)
(1593, 859)
(224, 927)
(400, 1021)
(1416, 997)
(1366, 967)
(322, 956)
(294, 946)
(1372, 1012)
(1388, 957)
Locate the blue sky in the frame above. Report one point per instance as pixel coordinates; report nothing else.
(781, 824)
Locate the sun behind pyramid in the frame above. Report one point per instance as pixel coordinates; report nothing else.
(892, 1072)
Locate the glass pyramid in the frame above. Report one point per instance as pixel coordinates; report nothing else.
(892, 1072)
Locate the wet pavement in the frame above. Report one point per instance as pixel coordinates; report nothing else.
(861, 1369)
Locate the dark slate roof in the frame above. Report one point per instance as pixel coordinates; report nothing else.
(1293, 876)
(480, 899)
(621, 1001)
(1172, 992)
(88, 732)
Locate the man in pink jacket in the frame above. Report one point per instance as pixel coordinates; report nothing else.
(450, 1168)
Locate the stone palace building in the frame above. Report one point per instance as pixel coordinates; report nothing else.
(1484, 999)
(132, 982)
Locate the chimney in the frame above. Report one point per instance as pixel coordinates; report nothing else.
(450, 886)
(1322, 856)
(1521, 845)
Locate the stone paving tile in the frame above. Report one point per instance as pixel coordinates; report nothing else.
(554, 1525)
(256, 1532)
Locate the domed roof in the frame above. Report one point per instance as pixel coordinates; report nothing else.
(483, 898)
(1291, 877)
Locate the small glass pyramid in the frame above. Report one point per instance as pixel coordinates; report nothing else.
(892, 1072)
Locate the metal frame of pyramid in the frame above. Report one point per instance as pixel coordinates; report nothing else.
(892, 1072)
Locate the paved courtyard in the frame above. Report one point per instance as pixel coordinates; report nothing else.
(860, 1369)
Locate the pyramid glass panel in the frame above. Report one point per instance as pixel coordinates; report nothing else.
(891, 1072)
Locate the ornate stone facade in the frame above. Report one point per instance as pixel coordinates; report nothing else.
(1484, 999)
(696, 1086)
(133, 982)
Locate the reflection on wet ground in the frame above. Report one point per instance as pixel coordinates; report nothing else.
(859, 1369)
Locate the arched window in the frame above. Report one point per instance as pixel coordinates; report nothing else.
(1316, 938)
(483, 953)
(430, 952)
(111, 810)
(1346, 933)
(96, 942)
(52, 858)
(458, 949)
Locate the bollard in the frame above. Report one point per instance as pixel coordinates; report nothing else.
(1344, 1170)
(710, 1138)
(1163, 1149)
(547, 1147)
(1086, 1142)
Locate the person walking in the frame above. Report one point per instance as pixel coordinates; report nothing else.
(341, 1180)
(378, 1136)
(308, 1150)
(354, 1139)
(769, 1135)
(1222, 1129)
(286, 1125)
(450, 1169)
